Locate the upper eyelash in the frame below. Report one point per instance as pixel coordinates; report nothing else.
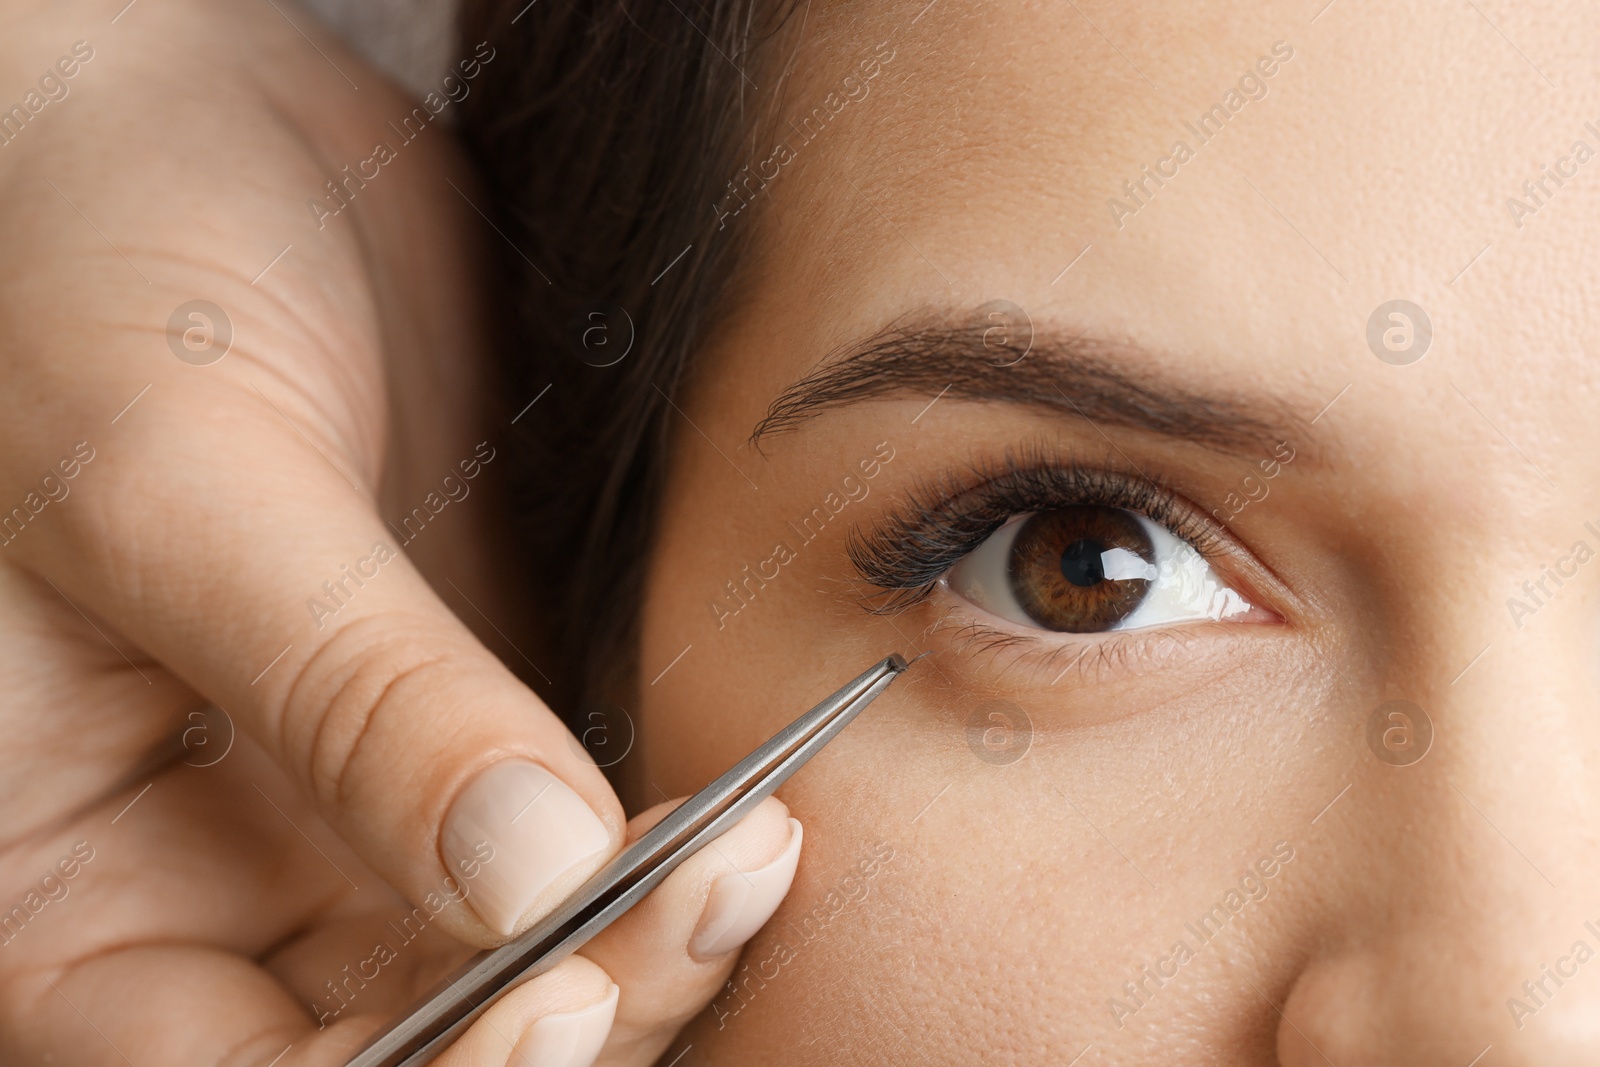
(943, 519)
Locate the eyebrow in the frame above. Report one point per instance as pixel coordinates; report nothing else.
(1095, 378)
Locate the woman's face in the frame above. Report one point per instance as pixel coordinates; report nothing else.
(1118, 812)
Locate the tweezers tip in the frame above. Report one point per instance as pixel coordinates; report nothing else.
(899, 663)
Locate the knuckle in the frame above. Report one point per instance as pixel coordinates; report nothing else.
(354, 686)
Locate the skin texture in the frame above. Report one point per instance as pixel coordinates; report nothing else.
(1021, 897)
(183, 888)
(948, 908)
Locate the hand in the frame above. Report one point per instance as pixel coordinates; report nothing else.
(192, 502)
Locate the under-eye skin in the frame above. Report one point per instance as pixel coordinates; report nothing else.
(1045, 545)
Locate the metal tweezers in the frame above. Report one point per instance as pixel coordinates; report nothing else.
(446, 1012)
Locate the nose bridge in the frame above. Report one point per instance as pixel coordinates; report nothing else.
(1474, 919)
(1498, 652)
(1517, 736)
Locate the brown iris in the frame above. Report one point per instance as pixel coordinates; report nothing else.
(1057, 567)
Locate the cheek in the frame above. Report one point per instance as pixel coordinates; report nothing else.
(1021, 897)
(988, 897)
(957, 907)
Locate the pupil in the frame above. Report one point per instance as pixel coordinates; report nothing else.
(1081, 565)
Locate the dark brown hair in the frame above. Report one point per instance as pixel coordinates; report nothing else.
(606, 131)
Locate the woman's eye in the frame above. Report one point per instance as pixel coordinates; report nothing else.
(1088, 569)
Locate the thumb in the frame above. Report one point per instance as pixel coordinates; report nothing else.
(233, 552)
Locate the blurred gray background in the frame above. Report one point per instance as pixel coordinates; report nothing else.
(411, 40)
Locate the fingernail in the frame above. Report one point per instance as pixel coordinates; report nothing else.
(741, 902)
(538, 828)
(571, 1039)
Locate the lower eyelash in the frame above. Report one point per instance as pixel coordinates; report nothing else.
(907, 552)
(1089, 659)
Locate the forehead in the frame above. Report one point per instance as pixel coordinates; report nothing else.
(1031, 153)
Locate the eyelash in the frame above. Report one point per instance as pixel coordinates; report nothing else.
(908, 551)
